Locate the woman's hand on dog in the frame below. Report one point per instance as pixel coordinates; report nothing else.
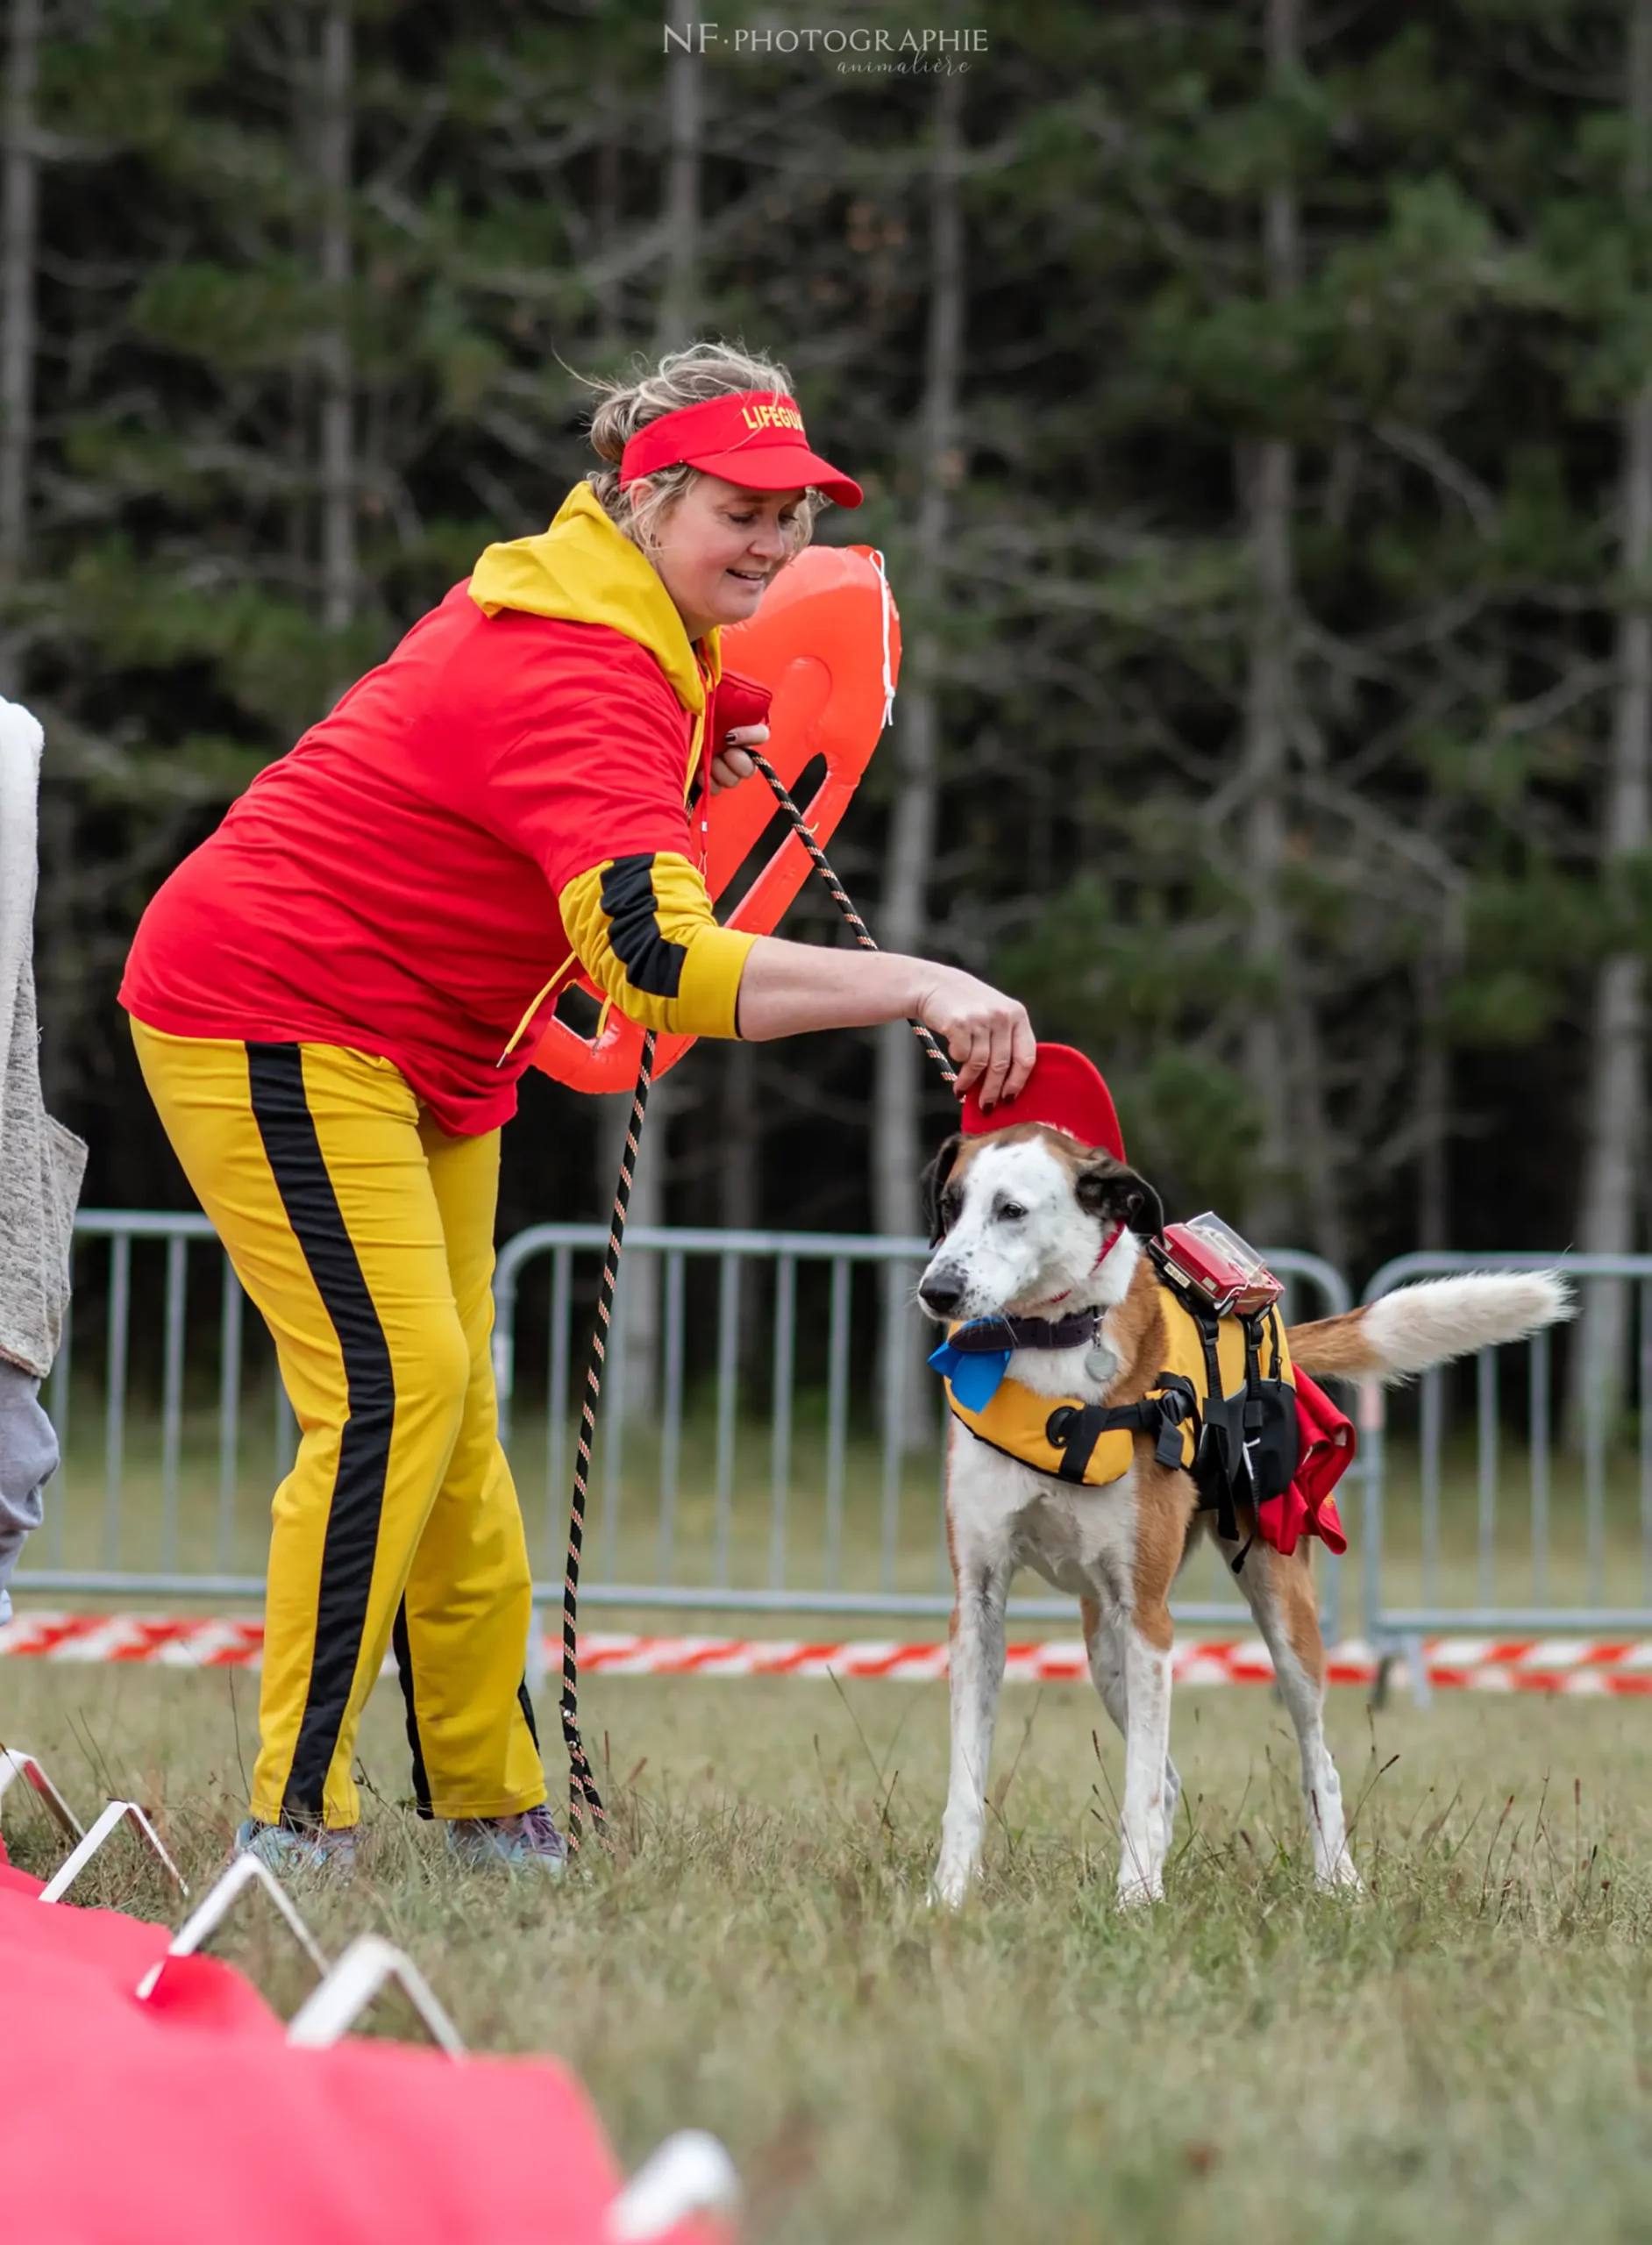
(989, 1036)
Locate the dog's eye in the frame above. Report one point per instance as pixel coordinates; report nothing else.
(1011, 1211)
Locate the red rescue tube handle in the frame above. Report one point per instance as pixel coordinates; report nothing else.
(826, 642)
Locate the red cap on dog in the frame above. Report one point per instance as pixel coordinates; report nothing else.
(1065, 1090)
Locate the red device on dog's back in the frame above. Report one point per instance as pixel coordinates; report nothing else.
(1207, 1258)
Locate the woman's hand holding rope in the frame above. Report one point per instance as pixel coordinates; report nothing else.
(731, 764)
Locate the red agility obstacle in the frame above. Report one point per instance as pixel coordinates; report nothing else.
(158, 2095)
(820, 660)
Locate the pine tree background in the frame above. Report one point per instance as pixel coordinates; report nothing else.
(1289, 587)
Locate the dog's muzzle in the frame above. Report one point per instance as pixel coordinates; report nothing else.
(941, 1291)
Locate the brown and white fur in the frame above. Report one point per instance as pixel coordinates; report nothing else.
(1023, 1215)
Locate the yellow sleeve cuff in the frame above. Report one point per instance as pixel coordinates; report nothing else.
(644, 932)
(707, 1000)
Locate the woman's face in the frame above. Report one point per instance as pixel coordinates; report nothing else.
(719, 548)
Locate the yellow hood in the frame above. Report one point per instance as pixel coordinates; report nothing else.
(586, 571)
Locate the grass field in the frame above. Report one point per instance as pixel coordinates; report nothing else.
(1463, 2053)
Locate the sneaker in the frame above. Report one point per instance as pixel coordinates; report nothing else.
(314, 1847)
(529, 1842)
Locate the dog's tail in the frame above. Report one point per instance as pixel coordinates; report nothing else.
(1415, 1327)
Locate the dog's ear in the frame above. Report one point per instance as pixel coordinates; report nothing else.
(932, 1184)
(1106, 1188)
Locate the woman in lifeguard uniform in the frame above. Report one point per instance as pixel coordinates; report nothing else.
(332, 1000)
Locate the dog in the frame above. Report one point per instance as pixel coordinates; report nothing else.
(1028, 1222)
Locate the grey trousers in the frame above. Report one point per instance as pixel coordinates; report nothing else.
(28, 1458)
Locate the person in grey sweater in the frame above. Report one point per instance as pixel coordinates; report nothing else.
(41, 1164)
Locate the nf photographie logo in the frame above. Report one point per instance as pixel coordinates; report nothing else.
(864, 47)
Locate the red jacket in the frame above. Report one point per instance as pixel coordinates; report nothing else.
(505, 795)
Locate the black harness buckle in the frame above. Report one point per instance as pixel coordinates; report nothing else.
(1075, 1428)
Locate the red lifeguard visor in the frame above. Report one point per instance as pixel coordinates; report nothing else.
(751, 436)
(1065, 1090)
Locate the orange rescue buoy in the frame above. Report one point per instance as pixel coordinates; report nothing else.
(826, 642)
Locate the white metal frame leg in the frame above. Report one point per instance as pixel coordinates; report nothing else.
(216, 1905)
(14, 1764)
(366, 1967)
(690, 2173)
(116, 1814)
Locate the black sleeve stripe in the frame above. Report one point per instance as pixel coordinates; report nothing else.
(652, 962)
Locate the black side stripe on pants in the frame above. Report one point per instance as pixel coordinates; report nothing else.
(288, 1131)
(416, 1744)
(525, 1702)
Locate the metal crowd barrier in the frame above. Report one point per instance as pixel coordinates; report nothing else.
(895, 1563)
(786, 1457)
(1504, 1532)
(103, 1504)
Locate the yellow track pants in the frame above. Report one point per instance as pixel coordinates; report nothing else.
(365, 1234)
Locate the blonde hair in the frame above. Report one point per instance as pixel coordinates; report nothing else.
(682, 378)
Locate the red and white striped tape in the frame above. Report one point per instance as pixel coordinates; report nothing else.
(1580, 1666)
(174, 1644)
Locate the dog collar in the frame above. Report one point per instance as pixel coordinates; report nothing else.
(977, 1356)
(985, 1336)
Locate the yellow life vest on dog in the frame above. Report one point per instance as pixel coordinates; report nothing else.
(1093, 1442)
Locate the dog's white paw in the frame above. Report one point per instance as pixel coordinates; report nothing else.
(1135, 1890)
(1339, 1876)
(951, 1885)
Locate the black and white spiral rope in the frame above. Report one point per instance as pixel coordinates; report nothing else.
(582, 1790)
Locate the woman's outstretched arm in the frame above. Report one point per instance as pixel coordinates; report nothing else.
(787, 988)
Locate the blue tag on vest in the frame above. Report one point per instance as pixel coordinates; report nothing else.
(975, 1374)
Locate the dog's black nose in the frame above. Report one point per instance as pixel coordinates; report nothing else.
(942, 1293)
